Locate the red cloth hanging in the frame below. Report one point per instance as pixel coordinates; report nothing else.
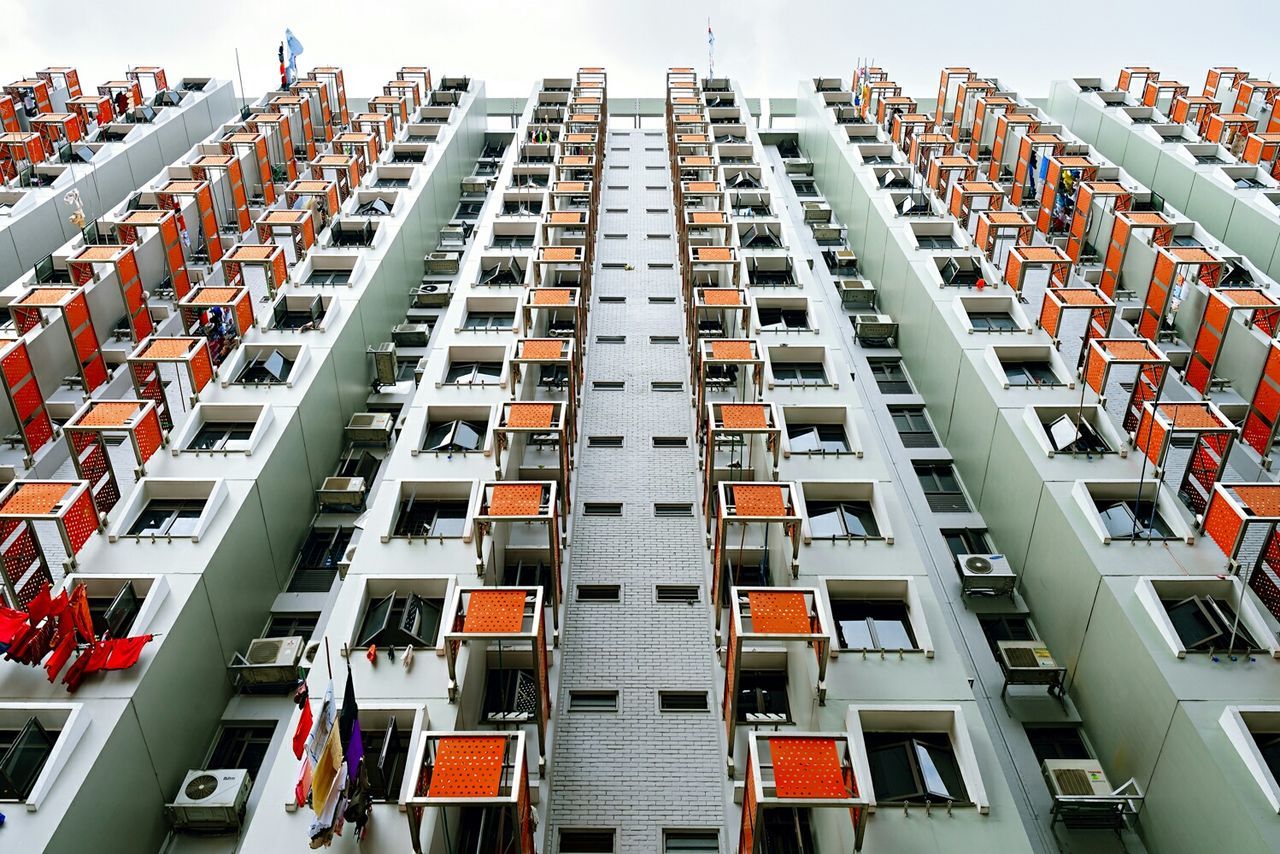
(60, 656)
(11, 622)
(38, 607)
(304, 729)
(78, 609)
(126, 651)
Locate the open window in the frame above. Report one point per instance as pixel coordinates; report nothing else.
(456, 429)
(877, 614)
(799, 366)
(300, 313)
(257, 365)
(1128, 510)
(1206, 614)
(400, 619)
(1083, 432)
(1029, 367)
(168, 509)
(320, 560)
(223, 428)
(35, 744)
(819, 430)
(1254, 731)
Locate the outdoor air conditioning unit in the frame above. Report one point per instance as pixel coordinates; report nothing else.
(370, 427)
(411, 334)
(385, 367)
(816, 212)
(268, 661)
(443, 262)
(856, 293)
(341, 492)
(1030, 663)
(989, 574)
(1075, 778)
(211, 801)
(474, 186)
(826, 232)
(875, 329)
(433, 294)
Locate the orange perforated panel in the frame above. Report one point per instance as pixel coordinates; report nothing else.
(1078, 296)
(713, 253)
(708, 218)
(567, 218)
(807, 768)
(759, 500)
(45, 296)
(167, 348)
(721, 296)
(1248, 296)
(1042, 254)
(551, 296)
(515, 499)
(779, 612)
(251, 252)
(35, 499)
(1263, 500)
(702, 187)
(542, 348)
(108, 415)
(742, 416)
(731, 350)
(1192, 415)
(214, 296)
(530, 414)
(571, 187)
(560, 253)
(468, 767)
(495, 611)
(1131, 350)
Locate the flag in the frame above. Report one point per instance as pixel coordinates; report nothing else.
(295, 48)
(349, 728)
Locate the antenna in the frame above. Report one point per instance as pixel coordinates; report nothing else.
(711, 51)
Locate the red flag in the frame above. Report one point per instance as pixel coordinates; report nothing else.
(304, 729)
(124, 652)
(38, 607)
(60, 656)
(11, 622)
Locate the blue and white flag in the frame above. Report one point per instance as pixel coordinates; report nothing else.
(295, 48)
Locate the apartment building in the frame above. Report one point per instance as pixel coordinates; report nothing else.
(414, 472)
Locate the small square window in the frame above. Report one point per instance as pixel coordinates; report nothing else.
(23, 754)
(428, 518)
(593, 701)
(242, 747)
(873, 624)
(842, 520)
(1005, 627)
(762, 697)
(914, 768)
(168, 518)
(397, 620)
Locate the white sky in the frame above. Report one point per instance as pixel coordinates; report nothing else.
(767, 46)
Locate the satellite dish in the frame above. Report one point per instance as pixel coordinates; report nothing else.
(978, 565)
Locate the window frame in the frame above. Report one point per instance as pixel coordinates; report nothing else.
(885, 588)
(1154, 591)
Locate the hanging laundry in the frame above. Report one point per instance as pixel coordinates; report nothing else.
(125, 652)
(38, 607)
(315, 744)
(360, 801)
(328, 817)
(325, 778)
(302, 699)
(61, 655)
(78, 611)
(11, 622)
(349, 727)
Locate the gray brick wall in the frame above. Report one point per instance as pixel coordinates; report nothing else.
(637, 771)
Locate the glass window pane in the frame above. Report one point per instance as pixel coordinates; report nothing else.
(891, 773)
(894, 634)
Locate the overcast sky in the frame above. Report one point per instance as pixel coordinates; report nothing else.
(766, 46)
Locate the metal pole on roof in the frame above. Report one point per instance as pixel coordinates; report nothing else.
(240, 73)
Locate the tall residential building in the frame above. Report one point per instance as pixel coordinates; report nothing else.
(425, 471)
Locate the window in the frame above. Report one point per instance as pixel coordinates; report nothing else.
(942, 488)
(458, 436)
(1208, 623)
(1005, 627)
(1057, 742)
(967, 541)
(511, 241)
(799, 373)
(399, 621)
(114, 615)
(762, 697)
(672, 510)
(328, 278)
(478, 321)
(935, 241)
(604, 441)
(608, 385)
(992, 321)
(841, 520)
(671, 441)
(682, 701)
(676, 841)
(427, 518)
(266, 367)
(613, 300)
(913, 427)
(299, 624)
(890, 376)
(914, 768)
(787, 829)
(817, 438)
(676, 593)
(591, 841)
(385, 755)
(1133, 519)
(661, 300)
(242, 747)
(318, 560)
(664, 339)
(874, 624)
(599, 592)
(222, 436)
(1031, 373)
(783, 319)
(464, 373)
(611, 339)
(168, 518)
(23, 754)
(593, 701)
(602, 508)
(664, 385)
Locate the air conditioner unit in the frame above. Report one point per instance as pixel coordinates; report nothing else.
(443, 262)
(211, 801)
(816, 212)
(989, 574)
(370, 427)
(268, 661)
(826, 232)
(856, 293)
(875, 329)
(433, 293)
(474, 186)
(341, 492)
(411, 334)
(1030, 663)
(1075, 778)
(385, 367)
